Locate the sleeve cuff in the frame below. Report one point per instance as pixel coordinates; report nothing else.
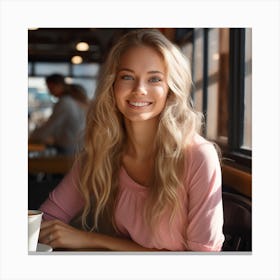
(199, 247)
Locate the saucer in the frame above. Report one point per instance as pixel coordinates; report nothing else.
(43, 248)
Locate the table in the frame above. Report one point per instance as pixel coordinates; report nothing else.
(36, 147)
(58, 164)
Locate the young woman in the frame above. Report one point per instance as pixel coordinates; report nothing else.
(146, 179)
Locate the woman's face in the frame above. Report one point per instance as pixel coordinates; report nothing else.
(141, 86)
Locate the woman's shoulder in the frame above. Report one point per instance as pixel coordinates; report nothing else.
(200, 149)
(198, 142)
(201, 161)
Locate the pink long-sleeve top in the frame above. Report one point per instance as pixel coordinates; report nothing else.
(199, 228)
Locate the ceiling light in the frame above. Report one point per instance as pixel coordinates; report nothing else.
(82, 46)
(68, 80)
(76, 59)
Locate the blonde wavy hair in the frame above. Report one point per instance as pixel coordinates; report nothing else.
(105, 136)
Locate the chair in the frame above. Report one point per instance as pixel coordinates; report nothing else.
(237, 222)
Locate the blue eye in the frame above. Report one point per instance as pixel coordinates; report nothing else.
(155, 79)
(126, 77)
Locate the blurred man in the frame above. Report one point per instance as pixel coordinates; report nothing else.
(64, 128)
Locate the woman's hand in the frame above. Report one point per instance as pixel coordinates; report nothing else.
(60, 235)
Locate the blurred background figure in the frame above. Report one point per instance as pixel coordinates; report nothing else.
(63, 129)
(78, 92)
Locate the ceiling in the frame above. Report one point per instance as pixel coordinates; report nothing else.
(59, 44)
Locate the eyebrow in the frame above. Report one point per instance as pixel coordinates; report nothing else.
(149, 72)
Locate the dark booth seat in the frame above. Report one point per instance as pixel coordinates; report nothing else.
(237, 222)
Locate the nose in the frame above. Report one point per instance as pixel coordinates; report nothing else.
(140, 88)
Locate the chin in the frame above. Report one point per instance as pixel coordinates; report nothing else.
(141, 118)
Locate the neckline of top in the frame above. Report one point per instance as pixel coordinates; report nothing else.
(131, 182)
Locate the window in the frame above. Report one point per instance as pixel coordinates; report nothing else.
(46, 68)
(40, 103)
(86, 69)
(222, 76)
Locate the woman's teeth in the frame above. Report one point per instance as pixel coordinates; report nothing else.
(139, 104)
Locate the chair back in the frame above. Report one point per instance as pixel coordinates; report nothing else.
(237, 222)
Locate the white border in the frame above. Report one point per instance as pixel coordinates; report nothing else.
(17, 16)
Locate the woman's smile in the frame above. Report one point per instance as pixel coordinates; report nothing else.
(138, 104)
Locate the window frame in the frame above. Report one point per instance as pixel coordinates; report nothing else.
(236, 99)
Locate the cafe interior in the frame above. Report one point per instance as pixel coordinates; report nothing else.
(221, 63)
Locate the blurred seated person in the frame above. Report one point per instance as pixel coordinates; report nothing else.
(63, 130)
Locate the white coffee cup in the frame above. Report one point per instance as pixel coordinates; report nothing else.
(34, 223)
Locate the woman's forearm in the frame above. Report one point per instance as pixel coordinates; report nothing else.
(60, 235)
(102, 241)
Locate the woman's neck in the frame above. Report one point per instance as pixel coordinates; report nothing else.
(141, 139)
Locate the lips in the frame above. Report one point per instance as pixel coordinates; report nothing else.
(139, 103)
